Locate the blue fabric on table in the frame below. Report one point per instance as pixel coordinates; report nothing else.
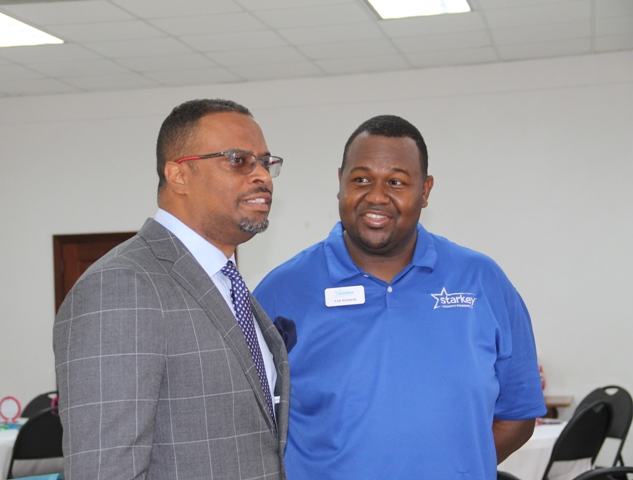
(53, 476)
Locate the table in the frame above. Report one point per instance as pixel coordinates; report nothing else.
(7, 439)
(530, 461)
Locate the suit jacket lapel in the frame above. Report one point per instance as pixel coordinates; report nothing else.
(280, 356)
(192, 277)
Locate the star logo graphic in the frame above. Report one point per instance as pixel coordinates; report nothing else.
(453, 300)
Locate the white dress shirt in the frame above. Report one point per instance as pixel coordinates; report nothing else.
(211, 259)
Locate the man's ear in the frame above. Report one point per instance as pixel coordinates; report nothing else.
(176, 177)
(426, 190)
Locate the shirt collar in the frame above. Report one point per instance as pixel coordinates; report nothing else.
(341, 266)
(210, 258)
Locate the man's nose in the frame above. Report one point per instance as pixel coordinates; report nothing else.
(377, 194)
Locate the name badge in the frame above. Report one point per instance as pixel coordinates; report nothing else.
(341, 296)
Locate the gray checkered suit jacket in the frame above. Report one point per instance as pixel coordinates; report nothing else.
(155, 377)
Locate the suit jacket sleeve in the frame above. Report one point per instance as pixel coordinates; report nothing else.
(110, 359)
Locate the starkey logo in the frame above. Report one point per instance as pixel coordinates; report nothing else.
(453, 300)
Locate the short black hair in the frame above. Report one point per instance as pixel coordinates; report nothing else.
(177, 128)
(391, 126)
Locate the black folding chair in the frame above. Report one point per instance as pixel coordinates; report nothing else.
(39, 438)
(583, 435)
(609, 473)
(39, 403)
(506, 476)
(622, 406)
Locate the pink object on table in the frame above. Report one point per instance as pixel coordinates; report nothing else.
(6, 418)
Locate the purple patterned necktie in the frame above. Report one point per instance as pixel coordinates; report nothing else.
(242, 305)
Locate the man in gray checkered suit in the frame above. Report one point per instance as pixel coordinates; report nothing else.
(157, 377)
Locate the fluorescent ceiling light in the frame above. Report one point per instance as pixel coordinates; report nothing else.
(14, 33)
(387, 9)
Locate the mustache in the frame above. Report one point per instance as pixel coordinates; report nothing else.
(261, 189)
(375, 209)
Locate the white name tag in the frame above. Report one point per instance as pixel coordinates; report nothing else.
(341, 296)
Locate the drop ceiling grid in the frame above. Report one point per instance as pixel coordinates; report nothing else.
(132, 44)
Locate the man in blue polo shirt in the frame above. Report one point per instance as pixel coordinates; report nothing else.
(415, 357)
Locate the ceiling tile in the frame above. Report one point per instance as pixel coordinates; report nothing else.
(545, 49)
(494, 4)
(614, 26)
(539, 15)
(209, 24)
(613, 43)
(256, 5)
(271, 71)
(330, 34)
(379, 63)
(79, 68)
(48, 53)
(541, 33)
(56, 13)
(257, 56)
(137, 48)
(98, 32)
(17, 72)
(452, 57)
(44, 86)
(315, 16)
(179, 8)
(187, 61)
(443, 42)
(366, 48)
(202, 76)
(125, 81)
(614, 8)
(223, 42)
(436, 24)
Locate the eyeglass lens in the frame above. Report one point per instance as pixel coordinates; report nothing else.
(244, 163)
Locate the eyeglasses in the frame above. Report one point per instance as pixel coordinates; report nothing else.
(243, 162)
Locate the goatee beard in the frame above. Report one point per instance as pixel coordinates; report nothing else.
(253, 226)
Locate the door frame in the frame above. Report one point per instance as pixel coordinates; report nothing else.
(59, 241)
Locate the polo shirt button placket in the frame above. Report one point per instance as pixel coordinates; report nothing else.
(389, 300)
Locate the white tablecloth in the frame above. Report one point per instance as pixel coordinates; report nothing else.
(7, 439)
(530, 461)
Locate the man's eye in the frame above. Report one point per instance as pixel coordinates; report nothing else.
(396, 182)
(239, 159)
(360, 180)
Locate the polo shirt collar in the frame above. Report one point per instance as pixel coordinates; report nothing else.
(425, 254)
(341, 266)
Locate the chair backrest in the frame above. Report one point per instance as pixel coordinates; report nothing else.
(622, 406)
(610, 473)
(39, 438)
(37, 404)
(583, 435)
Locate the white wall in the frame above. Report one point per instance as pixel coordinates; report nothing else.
(533, 163)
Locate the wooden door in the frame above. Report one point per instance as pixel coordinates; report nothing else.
(73, 254)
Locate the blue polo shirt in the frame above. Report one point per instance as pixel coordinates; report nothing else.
(405, 382)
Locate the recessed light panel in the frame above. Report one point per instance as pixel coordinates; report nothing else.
(14, 33)
(387, 9)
